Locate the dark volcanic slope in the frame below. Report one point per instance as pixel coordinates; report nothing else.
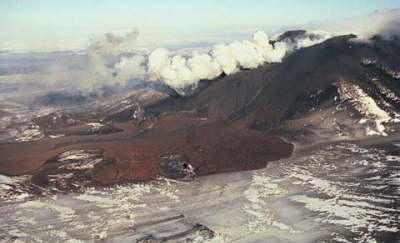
(229, 124)
(271, 94)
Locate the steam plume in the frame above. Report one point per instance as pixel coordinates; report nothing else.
(385, 23)
(179, 72)
(112, 61)
(99, 67)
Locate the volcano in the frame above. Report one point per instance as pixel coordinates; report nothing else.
(339, 89)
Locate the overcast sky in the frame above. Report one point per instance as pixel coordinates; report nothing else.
(68, 24)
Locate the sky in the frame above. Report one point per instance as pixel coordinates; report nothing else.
(69, 24)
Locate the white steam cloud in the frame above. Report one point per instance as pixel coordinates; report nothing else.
(111, 60)
(99, 69)
(179, 71)
(114, 62)
(385, 23)
(130, 68)
(182, 71)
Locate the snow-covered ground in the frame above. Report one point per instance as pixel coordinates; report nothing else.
(374, 117)
(338, 193)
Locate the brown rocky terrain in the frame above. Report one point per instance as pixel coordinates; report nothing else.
(231, 123)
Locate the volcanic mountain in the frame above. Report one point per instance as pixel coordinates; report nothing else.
(342, 88)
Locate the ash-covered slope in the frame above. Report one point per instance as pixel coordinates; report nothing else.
(316, 69)
(309, 79)
(341, 88)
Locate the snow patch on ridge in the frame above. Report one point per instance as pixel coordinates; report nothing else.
(374, 117)
(29, 133)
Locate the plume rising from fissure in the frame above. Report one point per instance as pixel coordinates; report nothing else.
(179, 71)
(113, 61)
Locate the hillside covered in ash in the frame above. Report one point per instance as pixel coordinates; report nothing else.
(340, 89)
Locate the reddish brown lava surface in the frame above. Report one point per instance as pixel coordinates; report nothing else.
(132, 155)
(227, 125)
